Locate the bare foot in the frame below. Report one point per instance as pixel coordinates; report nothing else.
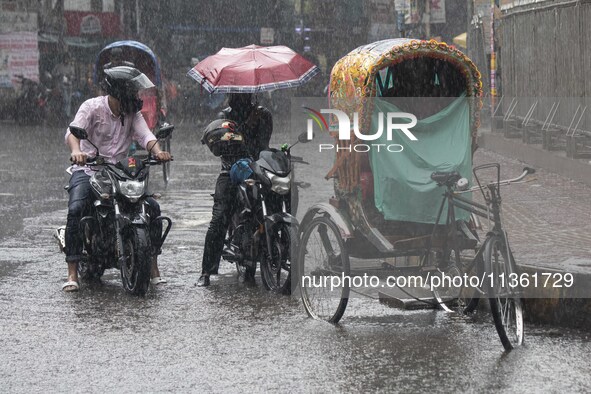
(155, 274)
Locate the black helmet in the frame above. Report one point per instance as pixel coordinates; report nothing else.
(124, 83)
(222, 137)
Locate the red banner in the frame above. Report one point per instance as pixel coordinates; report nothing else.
(82, 23)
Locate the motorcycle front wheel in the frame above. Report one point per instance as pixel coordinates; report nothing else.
(276, 263)
(244, 272)
(135, 271)
(89, 269)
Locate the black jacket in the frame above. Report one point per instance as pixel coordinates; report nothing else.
(256, 124)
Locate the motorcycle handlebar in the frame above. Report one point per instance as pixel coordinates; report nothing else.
(152, 161)
(99, 161)
(91, 160)
(95, 161)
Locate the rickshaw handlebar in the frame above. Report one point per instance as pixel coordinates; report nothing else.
(526, 171)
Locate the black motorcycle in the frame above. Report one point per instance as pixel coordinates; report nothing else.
(30, 105)
(263, 228)
(116, 234)
(62, 100)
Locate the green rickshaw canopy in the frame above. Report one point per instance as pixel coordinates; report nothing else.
(403, 189)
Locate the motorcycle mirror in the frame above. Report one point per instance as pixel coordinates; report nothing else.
(79, 133)
(303, 138)
(165, 131)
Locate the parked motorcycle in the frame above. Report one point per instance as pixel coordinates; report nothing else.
(63, 100)
(116, 233)
(30, 105)
(263, 228)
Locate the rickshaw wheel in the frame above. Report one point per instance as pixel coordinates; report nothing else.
(463, 300)
(322, 262)
(166, 166)
(506, 304)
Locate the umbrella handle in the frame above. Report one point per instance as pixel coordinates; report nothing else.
(253, 117)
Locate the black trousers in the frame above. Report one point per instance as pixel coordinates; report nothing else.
(224, 204)
(79, 205)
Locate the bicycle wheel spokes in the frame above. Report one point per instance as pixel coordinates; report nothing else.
(324, 263)
(451, 297)
(505, 295)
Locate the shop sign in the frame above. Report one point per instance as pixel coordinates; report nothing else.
(17, 21)
(267, 35)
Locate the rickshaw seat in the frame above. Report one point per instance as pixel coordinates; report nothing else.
(446, 178)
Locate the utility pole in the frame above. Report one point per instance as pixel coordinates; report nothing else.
(137, 18)
(400, 16)
(493, 59)
(427, 19)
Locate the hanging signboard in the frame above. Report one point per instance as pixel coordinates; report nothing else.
(80, 23)
(437, 11)
(19, 55)
(267, 35)
(403, 7)
(90, 24)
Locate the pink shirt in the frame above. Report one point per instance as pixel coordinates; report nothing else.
(105, 131)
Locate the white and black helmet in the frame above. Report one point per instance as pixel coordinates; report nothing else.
(124, 83)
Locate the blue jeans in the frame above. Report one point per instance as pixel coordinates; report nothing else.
(79, 205)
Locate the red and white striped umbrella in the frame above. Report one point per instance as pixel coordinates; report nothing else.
(253, 69)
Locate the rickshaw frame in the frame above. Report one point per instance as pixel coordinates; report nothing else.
(346, 226)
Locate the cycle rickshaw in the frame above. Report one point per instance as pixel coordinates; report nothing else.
(409, 207)
(140, 56)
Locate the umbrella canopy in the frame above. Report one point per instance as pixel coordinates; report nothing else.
(253, 69)
(460, 40)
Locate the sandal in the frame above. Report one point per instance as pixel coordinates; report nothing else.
(157, 280)
(70, 283)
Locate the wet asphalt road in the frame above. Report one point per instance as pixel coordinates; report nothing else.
(229, 337)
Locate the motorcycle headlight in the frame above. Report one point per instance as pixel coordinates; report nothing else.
(280, 185)
(133, 190)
